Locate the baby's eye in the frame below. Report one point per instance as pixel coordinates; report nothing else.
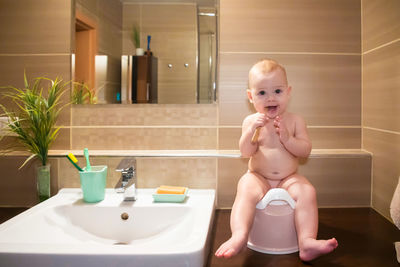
(278, 91)
(261, 92)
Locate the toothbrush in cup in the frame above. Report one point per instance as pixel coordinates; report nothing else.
(86, 154)
(74, 161)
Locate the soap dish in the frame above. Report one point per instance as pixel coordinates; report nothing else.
(172, 198)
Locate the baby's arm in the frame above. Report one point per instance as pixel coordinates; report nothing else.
(299, 143)
(250, 124)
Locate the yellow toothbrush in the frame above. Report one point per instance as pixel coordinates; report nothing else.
(73, 160)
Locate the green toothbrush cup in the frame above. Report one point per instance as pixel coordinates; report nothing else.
(93, 184)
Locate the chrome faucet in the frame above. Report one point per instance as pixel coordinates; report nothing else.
(128, 180)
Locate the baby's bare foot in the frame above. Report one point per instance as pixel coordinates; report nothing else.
(311, 248)
(231, 247)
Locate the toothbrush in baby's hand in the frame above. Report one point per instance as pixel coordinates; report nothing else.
(86, 153)
(254, 139)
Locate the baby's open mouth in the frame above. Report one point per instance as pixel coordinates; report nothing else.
(271, 111)
(271, 108)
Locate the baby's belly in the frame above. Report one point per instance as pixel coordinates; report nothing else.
(273, 164)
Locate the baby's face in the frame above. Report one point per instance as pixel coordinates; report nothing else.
(269, 93)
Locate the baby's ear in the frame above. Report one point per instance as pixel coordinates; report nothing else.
(289, 89)
(249, 95)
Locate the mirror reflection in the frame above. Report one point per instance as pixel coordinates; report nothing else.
(134, 51)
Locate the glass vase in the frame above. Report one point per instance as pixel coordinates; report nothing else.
(43, 182)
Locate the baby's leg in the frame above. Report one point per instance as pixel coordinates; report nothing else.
(250, 190)
(306, 218)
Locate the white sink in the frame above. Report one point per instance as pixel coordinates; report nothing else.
(65, 231)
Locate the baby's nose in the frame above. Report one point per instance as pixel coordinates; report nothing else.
(270, 97)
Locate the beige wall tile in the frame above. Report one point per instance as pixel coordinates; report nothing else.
(18, 186)
(385, 148)
(12, 74)
(29, 28)
(381, 88)
(233, 114)
(12, 68)
(144, 138)
(335, 138)
(228, 138)
(190, 172)
(229, 173)
(321, 138)
(111, 10)
(130, 16)
(301, 26)
(326, 88)
(63, 140)
(110, 28)
(380, 22)
(86, 6)
(157, 114)
(339, 181)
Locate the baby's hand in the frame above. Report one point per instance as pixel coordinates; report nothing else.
(281, 129)
(260, 120)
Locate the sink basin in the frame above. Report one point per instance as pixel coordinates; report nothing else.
(65, 231)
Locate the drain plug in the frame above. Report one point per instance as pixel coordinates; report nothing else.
(124, 216)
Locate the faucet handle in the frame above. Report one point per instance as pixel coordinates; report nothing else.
(127, 173)
(125, 164)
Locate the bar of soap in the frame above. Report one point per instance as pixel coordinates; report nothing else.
(164, 189)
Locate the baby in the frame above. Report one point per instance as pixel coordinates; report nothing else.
(273, 163)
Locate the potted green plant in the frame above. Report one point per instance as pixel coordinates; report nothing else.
(33, 121)
(136, 41)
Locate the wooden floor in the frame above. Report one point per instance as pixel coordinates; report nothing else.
(365, 239)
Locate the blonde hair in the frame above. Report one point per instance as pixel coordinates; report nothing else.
(265, 66)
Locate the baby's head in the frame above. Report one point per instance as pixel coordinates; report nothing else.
(268, 88)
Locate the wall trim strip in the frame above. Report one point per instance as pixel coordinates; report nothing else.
(382, 46)
(292, 53)
(381, 130)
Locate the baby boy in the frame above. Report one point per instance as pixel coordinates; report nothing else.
(274, 139)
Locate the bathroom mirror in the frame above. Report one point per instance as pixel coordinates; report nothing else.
(179, 39)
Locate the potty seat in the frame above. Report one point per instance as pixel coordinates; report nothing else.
(274, 230)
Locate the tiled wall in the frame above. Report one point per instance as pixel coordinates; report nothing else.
(319, 44)
(317, 41)
(38, 42)
(340, 180)
(35, 41)
(380, 96)
(138, 127)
